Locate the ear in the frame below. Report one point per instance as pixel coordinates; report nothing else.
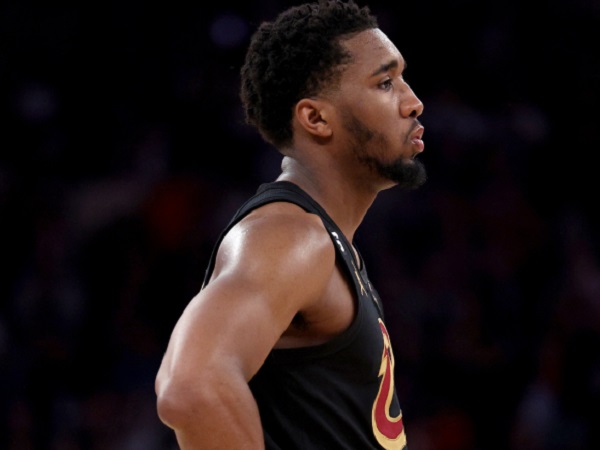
(312, 116)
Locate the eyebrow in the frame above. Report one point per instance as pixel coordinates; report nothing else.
(387, 67)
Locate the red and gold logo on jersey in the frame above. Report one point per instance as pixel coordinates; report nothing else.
(388, 430)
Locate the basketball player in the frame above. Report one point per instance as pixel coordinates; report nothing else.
(285, 346)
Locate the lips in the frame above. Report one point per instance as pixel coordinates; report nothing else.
(417, 138)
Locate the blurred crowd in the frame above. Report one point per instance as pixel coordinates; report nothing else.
(123, 154)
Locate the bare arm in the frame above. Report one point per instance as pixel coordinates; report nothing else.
(269, 267)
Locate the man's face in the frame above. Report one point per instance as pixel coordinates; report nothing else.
(378, 111)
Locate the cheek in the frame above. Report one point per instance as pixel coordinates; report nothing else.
(382, 114)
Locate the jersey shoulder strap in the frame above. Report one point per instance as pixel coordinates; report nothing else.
(268, 193)
(289, 192)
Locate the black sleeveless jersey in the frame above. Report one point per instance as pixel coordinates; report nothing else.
(337, 395)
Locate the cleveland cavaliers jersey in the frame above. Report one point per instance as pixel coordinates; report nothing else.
(337, 395)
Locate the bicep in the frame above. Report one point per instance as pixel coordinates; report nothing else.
(229, 325)
(262, 279)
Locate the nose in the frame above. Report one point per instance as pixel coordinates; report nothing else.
(411, 106)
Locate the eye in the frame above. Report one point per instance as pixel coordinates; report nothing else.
(387, 84)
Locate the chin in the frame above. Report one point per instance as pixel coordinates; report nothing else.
(408, 174)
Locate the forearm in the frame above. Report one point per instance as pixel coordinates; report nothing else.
(230, 420)
(208, 409)
(221, 416)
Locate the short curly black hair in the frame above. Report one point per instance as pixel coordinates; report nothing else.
(296, 56)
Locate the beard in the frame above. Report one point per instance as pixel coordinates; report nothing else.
(407, 173)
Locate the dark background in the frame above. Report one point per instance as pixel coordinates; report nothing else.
(123, 153)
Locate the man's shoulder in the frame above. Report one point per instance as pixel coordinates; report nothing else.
(283, 222)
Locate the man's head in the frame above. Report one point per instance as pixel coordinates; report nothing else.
(297, 55)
